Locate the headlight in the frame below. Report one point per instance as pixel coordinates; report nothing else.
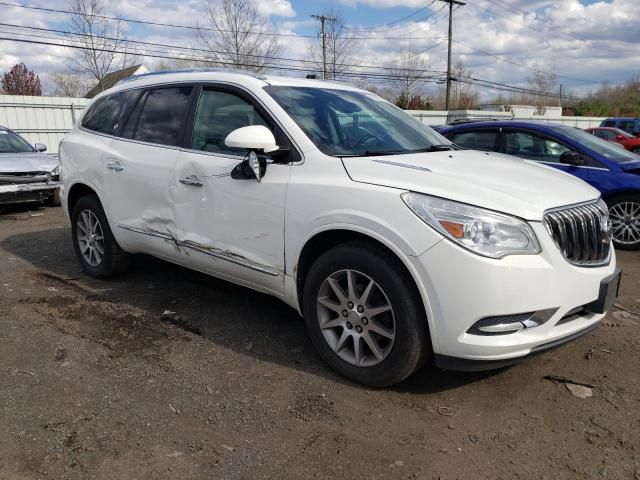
(482, 231)
(56, 171)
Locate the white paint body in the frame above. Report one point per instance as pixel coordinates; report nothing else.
(253, 233)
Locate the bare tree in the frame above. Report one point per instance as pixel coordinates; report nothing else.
(409, 76)
(70, 84)
(104, 46)
(21, 81)
(237, 35)
(543, 82)
(463, 95)
(338, 44)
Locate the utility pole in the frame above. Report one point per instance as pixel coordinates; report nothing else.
(450, 2)
(323, 19)
(560, 98)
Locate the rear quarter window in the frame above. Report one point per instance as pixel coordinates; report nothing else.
(107, 113)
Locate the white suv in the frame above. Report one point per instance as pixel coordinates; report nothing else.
(398, 247)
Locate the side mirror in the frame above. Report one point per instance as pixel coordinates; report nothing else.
(253, 137)
(572, 158)
(41, 147)
(619, 137)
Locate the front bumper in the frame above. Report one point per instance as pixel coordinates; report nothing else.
(461, 288)
(27, 192)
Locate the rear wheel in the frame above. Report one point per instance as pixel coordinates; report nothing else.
(364, 315)
(95, 246)
(624, 212)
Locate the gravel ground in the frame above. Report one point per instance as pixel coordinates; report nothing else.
(97, 382)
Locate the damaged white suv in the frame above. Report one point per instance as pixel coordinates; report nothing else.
(397, 247)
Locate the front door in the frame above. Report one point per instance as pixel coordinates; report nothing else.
(231, 228)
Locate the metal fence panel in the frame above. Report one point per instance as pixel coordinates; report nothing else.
(41, 119)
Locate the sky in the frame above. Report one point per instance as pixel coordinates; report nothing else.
(586, 42)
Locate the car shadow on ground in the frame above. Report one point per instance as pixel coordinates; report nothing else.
(234, 317)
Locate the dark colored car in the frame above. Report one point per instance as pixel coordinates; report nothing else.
(611, 169)
(628, 124)
(26, 174)
(616, 135)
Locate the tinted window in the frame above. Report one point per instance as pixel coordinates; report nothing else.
(534, 147)
(218, 114)
(107, 113)
(12, 143)
(606, 134)
(476, 140)
(160, 116)
(609, 123)
(626, 125)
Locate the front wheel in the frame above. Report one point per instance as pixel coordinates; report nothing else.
(95, 246)
(624, 212)
(364, 315)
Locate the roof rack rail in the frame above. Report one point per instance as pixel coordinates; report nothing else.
(193, 70)
(459, 121)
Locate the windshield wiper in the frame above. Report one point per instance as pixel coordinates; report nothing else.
(372, 153)
(439, 147)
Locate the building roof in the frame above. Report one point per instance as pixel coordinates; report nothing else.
(110, 79)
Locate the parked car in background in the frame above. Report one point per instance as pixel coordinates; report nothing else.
(628, 124)
(618, 136)
(366, 221)
(26, 174)
(609, 168)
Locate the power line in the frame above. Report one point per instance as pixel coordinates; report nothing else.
(406, 17)
(191, 27)
(191, 49)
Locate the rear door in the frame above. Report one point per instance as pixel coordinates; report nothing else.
(230, 227)
(140, 183)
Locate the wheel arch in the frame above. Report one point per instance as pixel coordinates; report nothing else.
(611, 195)
(322, 241)
(77, 191)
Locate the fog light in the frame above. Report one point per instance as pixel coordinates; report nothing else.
(506, 324)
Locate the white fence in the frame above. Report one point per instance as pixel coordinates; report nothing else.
(47, 119)
(442, 117)
(41, 119)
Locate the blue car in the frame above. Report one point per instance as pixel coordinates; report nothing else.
(604, 165)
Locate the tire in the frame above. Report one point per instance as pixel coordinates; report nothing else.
(624, 212)
(113, 261)
(398, 357)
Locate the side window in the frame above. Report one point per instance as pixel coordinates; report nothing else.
(476, 140)
(626, 125)
(217, 115)
(609, 123)
(606, 134)
(159, 116)
(107, 113)
(533, 147)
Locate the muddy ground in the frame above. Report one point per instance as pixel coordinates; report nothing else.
(95, 382)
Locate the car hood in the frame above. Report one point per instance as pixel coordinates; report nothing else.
(490, 180)
(27, 162)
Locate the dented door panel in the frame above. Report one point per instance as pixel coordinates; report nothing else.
(139, 179)
(228, 226)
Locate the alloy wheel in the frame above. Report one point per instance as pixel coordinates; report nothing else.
(90, 238)
(356, 318)
(625, 222)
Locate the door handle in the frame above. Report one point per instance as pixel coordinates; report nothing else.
(191, 180)
(115, 165)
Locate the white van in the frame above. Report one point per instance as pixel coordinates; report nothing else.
(396, 246)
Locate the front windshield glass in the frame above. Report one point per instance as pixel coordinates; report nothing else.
(355, 123)
(12, 143)
(610, 150)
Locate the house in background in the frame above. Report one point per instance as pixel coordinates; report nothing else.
(112, 78)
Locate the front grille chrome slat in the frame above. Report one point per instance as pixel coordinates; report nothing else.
(582, 233)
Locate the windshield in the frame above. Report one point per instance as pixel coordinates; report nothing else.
(617, 131)
(12, 143)
(604, 148)
(355, 123)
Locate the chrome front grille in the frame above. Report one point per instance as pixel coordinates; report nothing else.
(581, 232)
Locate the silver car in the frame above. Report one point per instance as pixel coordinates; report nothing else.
(26, 174)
